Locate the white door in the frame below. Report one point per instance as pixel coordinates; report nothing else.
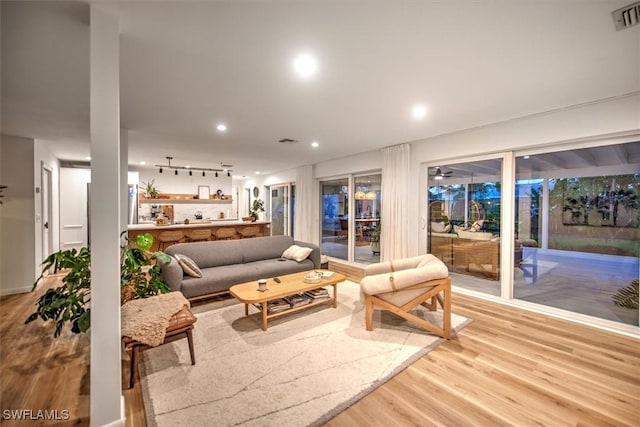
(74, 221)
(46, 211)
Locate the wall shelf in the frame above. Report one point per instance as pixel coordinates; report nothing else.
(172, 199)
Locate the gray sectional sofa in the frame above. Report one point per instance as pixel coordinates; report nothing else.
(225, 263)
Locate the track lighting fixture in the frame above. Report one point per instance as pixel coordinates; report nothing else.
(191, 169)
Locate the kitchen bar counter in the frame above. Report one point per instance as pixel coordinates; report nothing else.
(207, 224)
(234, 229)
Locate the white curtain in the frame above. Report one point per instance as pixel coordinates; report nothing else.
(305, 217)
(394, 233)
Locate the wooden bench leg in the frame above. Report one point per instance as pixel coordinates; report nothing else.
(191, 351)
(135, 355)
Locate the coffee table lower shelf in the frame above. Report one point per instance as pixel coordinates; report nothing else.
(289, 285)
(265, 310)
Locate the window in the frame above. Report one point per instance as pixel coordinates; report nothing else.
(577, 219)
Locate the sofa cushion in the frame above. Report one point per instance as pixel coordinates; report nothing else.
(264, 247)
(297, 253)
(272, 267)
(440, 227)
(189, 267)
(210, 254)
(218, 279)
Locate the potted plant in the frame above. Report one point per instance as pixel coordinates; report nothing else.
(374, 238)
(70, 302)
(256, 208)
(150, 190)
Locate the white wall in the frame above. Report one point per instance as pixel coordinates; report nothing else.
(18, 249)
(182, 183)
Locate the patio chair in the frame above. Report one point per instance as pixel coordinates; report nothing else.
(401, 285)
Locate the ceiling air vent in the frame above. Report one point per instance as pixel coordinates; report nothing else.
(627, 16)
(288, 141)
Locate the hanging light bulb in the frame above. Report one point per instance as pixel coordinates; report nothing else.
(202, 173)
(160, 170)
(176, 172)
(190, 173)
(216, 174)
(228, 173)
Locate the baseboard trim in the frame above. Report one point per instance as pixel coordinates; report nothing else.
(14, 291)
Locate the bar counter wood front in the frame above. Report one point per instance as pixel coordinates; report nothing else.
(230, 229)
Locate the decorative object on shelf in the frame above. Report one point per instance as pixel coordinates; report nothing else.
(150, 189)
(256, 208)
(223, 168)
(256, 192)
(204, 193)
(70, 302)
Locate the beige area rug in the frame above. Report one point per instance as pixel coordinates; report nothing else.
(305, 369)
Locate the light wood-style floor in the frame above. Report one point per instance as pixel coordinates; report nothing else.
(508, 367)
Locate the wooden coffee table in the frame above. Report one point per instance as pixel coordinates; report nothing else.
(290, 284)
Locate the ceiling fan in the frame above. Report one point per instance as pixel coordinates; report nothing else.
(441, 175)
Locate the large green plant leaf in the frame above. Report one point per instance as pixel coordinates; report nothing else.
(144, 241)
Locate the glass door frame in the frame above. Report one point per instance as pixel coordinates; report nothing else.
(507, 215)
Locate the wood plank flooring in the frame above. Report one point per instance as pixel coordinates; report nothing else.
(508, 367)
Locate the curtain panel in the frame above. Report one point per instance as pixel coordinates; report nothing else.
(304, 226)
(394, 233)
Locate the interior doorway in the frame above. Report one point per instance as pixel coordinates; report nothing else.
(280, 203)
(46, 208)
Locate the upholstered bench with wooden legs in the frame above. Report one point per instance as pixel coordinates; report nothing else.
(180, 326)
(401, 285)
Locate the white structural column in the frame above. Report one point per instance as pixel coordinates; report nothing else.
(106, 391)
(124, 182)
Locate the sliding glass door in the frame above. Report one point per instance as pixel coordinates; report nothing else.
(335, 217)
(367, 221)
(578, 222)
(464, 208)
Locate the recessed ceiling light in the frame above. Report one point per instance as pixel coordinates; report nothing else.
(142, 162)
(221, 127)
(419, 111)
(187, 166)
(526, 157)
(88, 158)
(305, 65)
(257, 172)
(315, 144)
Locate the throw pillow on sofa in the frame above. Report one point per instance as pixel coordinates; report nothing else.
(297, 253)
(440, 227)
(189, 267)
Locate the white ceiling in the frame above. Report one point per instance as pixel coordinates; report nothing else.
(185, 66)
